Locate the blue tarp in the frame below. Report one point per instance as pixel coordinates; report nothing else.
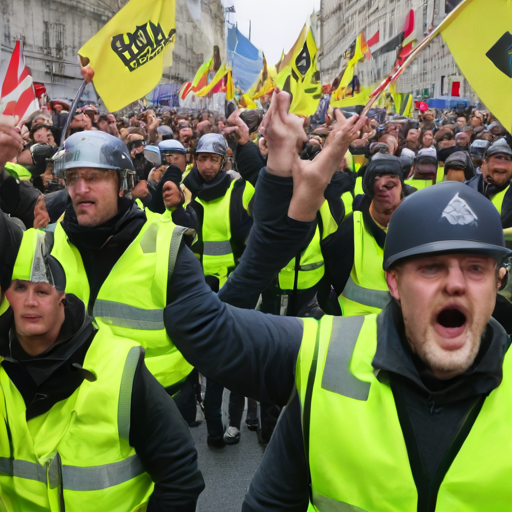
(448, 102)
(245, 59)
(165, 95)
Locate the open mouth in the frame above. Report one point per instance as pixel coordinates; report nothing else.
(451, 318)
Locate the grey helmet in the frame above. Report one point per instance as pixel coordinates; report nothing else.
(213, 143)
(98, 150)
(449, 217)
(171, 146)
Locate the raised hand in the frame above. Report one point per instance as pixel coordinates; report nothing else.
(310, 178)
(11, 142)
(236, 125)
(285, 135)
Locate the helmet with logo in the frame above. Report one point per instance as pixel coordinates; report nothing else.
(97, 150)
(212, 143)
(171, 146)
(449, 217)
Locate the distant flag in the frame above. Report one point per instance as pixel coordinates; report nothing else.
(486, 60)
(374, 39)
(201, 78)
(127, 54)
(17, 96)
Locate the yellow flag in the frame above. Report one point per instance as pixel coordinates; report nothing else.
(305, 80)
(215, 83)
(201, 78)
(480, 40)
(127, 54)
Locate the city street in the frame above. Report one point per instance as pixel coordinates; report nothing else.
(227, 472)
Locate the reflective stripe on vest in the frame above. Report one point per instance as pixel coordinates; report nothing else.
(366, 291)
(366, 297)
(497, 199)
(77, 454)
(312, 266)
(217, 257)
(357, 454)
(133, 297)
(76, 478)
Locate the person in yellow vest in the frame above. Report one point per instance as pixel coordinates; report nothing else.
(118, 260)
(403, 411)
(83, 424)
(354, 264)
(424, 169)
(221, 206)
(494, 181)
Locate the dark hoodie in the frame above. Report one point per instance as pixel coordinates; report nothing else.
(157, 432)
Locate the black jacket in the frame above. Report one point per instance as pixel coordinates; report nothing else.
(158, 433)
(478, 183)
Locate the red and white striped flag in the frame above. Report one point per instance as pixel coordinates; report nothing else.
(17, 95)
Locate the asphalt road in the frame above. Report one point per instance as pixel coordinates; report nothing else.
(227, 472)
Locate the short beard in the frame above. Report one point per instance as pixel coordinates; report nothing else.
(451, 364)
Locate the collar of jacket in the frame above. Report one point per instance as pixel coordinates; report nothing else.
(395, 356)
(94, 238)
(207, 191)
(378, 233)
(478, 183)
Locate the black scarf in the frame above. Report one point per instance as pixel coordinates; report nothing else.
(93, 238)
(207, 190)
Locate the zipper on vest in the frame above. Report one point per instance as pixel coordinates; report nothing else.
(428, 488)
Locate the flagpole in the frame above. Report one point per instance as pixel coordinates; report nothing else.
(393, 77)
(72, 112)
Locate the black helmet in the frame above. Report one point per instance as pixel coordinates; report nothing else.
(449, 217)
(498, 147)
(380, 164)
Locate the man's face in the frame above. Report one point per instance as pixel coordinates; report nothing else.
(388, 192)
(454, 174)
(57, 108)
(78, 121)
(497, 169)
(429, 116)
(462, 139)
(208, 165)
(427, 139)
(36, 307)
(413, 135)
(140, 147)
(476, 120)
(103, 125)
(177, 159)
(94, 194)
(461, 122)
(185, 134)
(446, 302)
(41, 135)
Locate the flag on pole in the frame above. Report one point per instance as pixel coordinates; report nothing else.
(17, 96)
(486, 60)
(127, 54)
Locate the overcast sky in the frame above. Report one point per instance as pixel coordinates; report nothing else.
(276, 24)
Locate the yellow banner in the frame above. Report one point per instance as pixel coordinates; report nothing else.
(127, 54)
(480, 40)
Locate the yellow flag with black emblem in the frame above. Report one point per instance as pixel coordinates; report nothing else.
(302, 79)
(479, 36)
(127, 54)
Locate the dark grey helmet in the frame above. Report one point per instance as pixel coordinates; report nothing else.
(212, 143)
(94, 149)
(499, 146)
(449, 217)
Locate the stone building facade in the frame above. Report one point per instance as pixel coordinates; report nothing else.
(53, 31)
(433, 74)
